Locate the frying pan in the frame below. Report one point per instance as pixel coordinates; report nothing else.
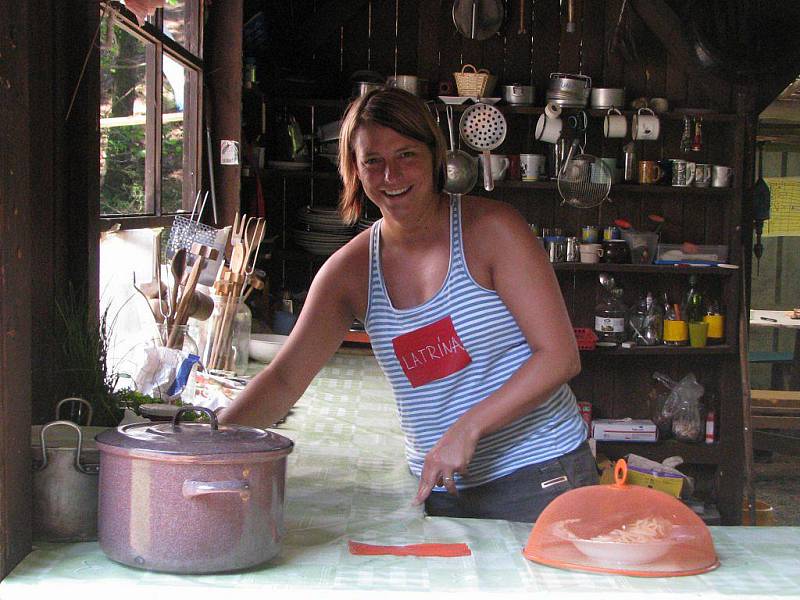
(478, 19)
(483, 128)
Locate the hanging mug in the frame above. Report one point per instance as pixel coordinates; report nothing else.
(615, 124)
(645, 126)
(548, 129)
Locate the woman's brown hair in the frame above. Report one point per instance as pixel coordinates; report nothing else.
(399, 110)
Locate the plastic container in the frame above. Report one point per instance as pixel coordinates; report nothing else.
(622, 529)
(673, 254)
(643, 245)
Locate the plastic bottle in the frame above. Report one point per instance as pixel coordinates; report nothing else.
(609, 319)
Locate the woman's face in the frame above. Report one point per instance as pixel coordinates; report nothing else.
(395, 171)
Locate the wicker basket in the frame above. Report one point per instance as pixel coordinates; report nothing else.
(478, 83)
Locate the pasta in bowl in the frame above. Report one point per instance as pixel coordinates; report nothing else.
(640, 542)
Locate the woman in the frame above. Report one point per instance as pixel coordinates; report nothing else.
(465, 317)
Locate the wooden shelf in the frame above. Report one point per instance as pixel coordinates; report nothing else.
(628, 188)
(675, 115)
(696, 453)
(301, 173)
(655, 269)
(687, 351)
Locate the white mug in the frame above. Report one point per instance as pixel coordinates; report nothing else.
(721, 176)
(645, 126)
(499, 162)
(532, 166)
(615, 124)
(548, 129)
(591, 253)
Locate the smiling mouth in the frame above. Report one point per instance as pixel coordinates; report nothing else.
(393, 193)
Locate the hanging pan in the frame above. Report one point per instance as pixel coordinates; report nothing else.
(483, 128)
(478, 19)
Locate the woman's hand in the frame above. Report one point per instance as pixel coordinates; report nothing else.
(449, 456)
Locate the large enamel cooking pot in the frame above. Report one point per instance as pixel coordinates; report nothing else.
(191, 497)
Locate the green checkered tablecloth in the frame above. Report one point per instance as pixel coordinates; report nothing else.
(348, 480)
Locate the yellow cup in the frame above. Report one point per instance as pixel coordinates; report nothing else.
(698, 334)
(716, 326)
(675, 332)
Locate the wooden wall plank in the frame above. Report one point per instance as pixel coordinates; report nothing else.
(17, 182)
(546, 38)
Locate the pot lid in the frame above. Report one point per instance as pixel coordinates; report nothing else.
(194, 439)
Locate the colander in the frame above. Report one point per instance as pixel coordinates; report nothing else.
(483, 128)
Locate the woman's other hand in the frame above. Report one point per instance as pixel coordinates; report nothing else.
(448, 457)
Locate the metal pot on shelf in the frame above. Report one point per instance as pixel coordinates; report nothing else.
(191, 497)
(520, 95)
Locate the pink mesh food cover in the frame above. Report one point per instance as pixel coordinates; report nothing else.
(622, 529)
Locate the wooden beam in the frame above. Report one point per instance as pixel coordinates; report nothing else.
(18, 29)
(223, 56)
(662, 21)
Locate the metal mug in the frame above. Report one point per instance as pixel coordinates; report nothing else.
(532, 166)
(721, 176)
(683, 172)
(649, 172)
(573, 250)
(556, 247)
(702, 175)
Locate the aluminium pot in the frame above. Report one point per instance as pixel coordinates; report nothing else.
(65, 473)
(191, 497)
(519, 94)
(605, 98)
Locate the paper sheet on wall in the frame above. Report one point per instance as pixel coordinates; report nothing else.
(784, 206)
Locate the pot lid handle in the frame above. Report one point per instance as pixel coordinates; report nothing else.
(212, 416)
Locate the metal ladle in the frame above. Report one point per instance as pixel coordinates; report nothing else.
(461, 168)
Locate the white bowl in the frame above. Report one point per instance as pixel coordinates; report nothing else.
(264, 347)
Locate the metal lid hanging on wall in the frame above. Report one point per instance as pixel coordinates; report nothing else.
(478, 19)
(194, 439)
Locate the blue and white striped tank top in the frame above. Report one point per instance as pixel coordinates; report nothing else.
(449, 353)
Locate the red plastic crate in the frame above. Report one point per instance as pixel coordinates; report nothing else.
(586, 338)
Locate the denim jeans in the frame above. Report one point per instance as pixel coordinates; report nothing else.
(521, 495)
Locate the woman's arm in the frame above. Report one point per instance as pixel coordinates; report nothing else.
(326, 317)
(509, 258)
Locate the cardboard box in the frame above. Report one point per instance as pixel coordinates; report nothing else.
(664, 482)
(624, 430)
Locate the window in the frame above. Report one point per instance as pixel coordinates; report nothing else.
(150, 102)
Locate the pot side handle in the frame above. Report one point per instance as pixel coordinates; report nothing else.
(192, 489)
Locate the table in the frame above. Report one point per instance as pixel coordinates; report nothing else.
(778, 319)
(348, 480)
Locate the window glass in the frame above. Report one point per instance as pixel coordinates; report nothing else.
(174, 157)
(175, 22)
(123, 110)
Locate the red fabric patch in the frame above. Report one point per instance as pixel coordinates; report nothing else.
(441, 550)
(431, 352)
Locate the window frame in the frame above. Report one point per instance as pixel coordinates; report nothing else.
(158, 44)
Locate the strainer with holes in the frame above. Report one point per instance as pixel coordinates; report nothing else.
(584, 181)
(622, 529)
(483, 128)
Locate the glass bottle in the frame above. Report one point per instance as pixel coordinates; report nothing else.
(646, 322)
(609, 319)
(226, 336)
(693, 305)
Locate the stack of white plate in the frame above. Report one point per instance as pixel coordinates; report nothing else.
(323, 231)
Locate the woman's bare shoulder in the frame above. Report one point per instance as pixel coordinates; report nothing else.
(490, 219)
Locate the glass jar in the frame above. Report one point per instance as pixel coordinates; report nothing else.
(226, 336)
(183, 340)
(609, 319)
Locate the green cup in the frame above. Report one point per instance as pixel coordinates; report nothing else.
(698, 334)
